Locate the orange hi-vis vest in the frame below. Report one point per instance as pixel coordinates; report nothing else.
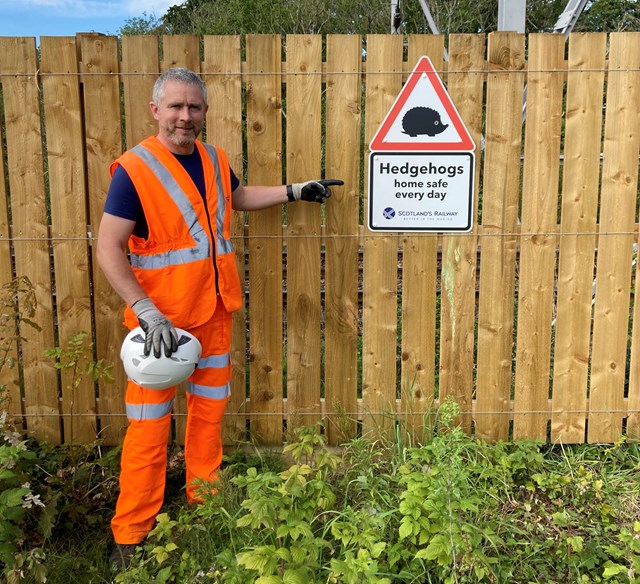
(188, 243)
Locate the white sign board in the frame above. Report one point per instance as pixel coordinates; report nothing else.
(421, 191)
(421, 166)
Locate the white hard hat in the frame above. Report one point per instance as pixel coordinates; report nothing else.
(159, 372)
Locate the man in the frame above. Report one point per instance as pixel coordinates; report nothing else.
(170, 203)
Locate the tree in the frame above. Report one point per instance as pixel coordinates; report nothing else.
(145, 24)
(370, 16)
(610, 16)
(277, 16)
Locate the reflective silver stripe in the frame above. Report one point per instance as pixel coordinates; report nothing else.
(170, 258)
(214, 361)
(201, 250)
(210, 391)
(224, 245)
(148, 411)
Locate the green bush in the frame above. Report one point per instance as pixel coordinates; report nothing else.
(452, 510)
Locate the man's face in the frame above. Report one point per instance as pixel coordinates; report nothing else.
(180, 115)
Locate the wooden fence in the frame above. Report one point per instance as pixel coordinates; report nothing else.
(528, 322)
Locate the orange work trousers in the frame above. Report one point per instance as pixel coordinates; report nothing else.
(144, 452)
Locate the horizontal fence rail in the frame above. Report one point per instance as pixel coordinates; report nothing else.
(528, 322)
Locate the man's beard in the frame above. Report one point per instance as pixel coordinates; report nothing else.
(182, 139)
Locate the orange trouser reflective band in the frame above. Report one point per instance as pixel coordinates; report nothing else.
(144, 453)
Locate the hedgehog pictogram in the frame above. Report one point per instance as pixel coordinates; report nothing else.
(422, 120)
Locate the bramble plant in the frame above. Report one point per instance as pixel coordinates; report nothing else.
(18, 304)
(40, 489)
(18, 503)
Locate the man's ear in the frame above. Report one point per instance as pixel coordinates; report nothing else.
(154, 109)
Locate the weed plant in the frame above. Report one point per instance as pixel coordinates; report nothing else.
(451, 510)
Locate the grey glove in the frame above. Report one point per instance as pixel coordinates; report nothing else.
(157, 327)
(315, 191)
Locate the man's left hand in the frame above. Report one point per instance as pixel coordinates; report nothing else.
(315, 191)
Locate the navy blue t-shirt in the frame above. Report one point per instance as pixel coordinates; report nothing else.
(123, 200)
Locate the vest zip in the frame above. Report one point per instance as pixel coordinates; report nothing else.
(214, 253)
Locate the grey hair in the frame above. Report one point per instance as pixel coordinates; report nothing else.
(180, 75)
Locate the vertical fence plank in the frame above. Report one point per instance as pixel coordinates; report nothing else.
(139, 71)
(67, 181)
(303, 158)
(615, 242)
(8, 349)
(581, 174)
(505, 83)
(538, 243)
(459, 251)
(264, 148)
(419, 284)
(221, 71)
(343, 154)
(180, 51)
(21, 95)
(380, 278)
(103, 137)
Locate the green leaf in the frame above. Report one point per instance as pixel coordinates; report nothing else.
(244, 521)
(295, 577)
(160, 553)
(6, 474)
(576, 543)
(612, 570)
(256, 559)
(406, 529)
(7, 549)
(560, 519)
(438, 549)
(164, 574)
(283, 531)
(13, 497)
(377, 549)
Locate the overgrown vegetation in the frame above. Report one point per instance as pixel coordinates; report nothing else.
(452, 509)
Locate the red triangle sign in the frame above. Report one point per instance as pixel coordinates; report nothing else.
(423, 117)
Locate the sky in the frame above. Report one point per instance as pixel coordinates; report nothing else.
(36, 18)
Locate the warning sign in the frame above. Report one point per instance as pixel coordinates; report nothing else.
(423, 117)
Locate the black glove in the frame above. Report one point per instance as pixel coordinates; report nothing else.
(157, 327)
(315, 191)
